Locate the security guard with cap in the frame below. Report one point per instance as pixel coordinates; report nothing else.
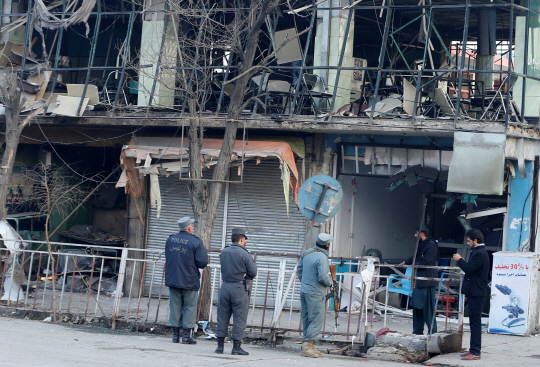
(184, 256)
(237, 270)
(313, 271)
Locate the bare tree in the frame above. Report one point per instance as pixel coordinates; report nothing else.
(211, 38)
(55, 190)
(11, 95)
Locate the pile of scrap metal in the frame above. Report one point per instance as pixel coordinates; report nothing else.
(92, 233)
(38, 87)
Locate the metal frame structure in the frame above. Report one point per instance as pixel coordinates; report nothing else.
(389, 10)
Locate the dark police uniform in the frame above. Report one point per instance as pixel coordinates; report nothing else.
(237, 265)
(184, 256)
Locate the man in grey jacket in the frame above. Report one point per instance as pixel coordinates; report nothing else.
(237, 270)
(314, 274)
(184, 256)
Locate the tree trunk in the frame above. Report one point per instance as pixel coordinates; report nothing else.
(135, 238)
(205, 198)
(13, 133)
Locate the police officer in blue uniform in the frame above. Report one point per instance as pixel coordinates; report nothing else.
(237, 270)
(184, 256)
(313, 271)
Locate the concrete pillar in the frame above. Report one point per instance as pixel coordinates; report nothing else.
(519, 210)
(532, 93)
(329, 38)
(486, 45)
(153, 43)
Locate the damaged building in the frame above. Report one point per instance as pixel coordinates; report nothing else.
(425, 111)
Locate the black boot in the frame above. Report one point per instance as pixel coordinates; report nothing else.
(220, 345)
(186, 337)
(237, 349)
(176, 334)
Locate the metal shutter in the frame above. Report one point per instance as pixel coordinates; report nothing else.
(258, 204)
(175, 198)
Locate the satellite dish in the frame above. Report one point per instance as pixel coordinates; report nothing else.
(319, 198)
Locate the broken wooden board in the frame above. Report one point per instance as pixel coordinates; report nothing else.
(76, 90)
(54, 97)
(68, 106)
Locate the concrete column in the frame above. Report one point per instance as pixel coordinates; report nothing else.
(486, 45)
(519, 210)
(329, 38)
(532, 93)
(153, 43)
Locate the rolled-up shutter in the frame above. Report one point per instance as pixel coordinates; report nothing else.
(258, 205)
(175, 199)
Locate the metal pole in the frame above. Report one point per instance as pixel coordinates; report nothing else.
(265, 298)
(120, 286)
(212, 295)
(160, 292)
(340, 62)
(126, 52)
(63, 281)
(150, 292)
(92, 54)
(525, 67)
(306, 48)
(509, 75)
(381, 61)
(99, 285)
(29, 277)
(462, 64)
(72, 280)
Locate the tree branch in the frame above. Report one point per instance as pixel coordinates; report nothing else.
(31, 117)
(254, 98)
(256, 67)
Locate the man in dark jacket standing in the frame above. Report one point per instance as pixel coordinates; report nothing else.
(474, 287)
(184, 256)
(423, 297)
(237, 270)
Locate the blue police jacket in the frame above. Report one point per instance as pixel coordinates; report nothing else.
(184, 256)
(314, 271)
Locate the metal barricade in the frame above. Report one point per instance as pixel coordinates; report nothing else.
(140, 296)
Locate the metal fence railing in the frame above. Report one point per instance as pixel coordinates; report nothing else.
(98, 281)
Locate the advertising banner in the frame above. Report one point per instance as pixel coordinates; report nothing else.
(510, 284)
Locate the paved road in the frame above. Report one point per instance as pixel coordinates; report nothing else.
(35, 343)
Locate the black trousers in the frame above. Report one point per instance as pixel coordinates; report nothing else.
(475, 321)
(423, 309)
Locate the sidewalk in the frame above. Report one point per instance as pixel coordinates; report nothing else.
(498, 351)
(35, 343)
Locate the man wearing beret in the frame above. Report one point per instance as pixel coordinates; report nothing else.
(237, 270)
(184, 256)
(313, 271)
